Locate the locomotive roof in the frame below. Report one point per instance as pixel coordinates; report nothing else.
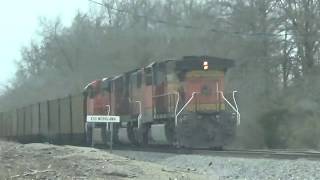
(92, 84)
(118, 76)
(106, 81)
(216, 60)
(186, 63)
(150, 65)
(189, 62)
(194, 62)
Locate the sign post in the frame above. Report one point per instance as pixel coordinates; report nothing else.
(105, 119)
(111, 137)
(92, 141)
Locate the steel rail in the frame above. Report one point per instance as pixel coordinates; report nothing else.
(238, 153)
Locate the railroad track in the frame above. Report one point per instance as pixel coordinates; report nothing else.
(241, 153)
(274, 154)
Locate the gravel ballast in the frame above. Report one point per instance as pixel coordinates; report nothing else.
(231, 167)
(47, 161)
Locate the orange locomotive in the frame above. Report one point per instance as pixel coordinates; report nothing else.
(173, 102)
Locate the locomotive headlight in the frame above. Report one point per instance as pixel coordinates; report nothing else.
(205, 65)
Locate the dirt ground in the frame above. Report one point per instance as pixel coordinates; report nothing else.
(46, 161)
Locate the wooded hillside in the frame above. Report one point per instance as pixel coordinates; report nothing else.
(275, 44)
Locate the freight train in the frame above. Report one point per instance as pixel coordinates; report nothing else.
(181, 103)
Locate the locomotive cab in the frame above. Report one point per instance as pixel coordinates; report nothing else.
(203, 79)
(190, 108)
(206, 117)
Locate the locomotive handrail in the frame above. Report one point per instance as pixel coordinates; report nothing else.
(186, 104)
(140, 112)
(176, 114)
(177, 103)
(109, 108)
(235, 102)
(166, 94)
(235, 108)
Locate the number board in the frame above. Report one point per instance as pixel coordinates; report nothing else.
(106, 119)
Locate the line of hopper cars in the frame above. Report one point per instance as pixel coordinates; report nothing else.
(174, 102)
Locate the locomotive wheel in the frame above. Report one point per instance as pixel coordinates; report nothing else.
(131, 133)
(141, 134)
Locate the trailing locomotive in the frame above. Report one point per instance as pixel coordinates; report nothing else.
(173, 102)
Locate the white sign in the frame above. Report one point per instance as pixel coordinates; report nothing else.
(106, 119)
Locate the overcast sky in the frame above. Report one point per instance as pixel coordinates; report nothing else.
(19, 23)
